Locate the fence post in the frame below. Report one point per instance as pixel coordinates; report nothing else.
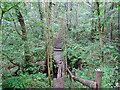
(98, 78)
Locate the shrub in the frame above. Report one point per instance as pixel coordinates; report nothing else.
(38, 80)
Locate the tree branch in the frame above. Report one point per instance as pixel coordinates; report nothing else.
(4, 11)
(15, 25)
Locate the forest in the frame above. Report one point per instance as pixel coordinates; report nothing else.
(70, 44)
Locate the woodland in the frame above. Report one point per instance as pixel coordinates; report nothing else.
(59, 45)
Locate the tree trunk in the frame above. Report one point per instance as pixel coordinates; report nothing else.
(66, 7)
(71, 7)
(15, 25)
(41, 18)
(111, 24)
(119, 26)
(99, 30)
(24, 38)
(77, 21)
(47, 41)
(111, 28)
(118, 39)
(1, 18)
(105, 9)
(93, 30)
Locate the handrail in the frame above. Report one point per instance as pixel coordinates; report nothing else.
(89, 83)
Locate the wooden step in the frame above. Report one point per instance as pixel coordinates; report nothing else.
(57, 49)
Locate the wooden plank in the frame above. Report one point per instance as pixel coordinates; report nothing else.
(58, 83)
(57, 49)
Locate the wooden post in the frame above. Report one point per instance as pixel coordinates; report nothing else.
(98, 78)
(117, 86)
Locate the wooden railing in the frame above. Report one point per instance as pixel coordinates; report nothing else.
(94, 84)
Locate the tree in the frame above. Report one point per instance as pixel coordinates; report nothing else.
(93, 23)
(24, 38)
(41, 18)
(99, 29)
(47, 41)
(119, 26)
(111, 24)
(82, 32)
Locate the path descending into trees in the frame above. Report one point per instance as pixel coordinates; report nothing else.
(59, 81)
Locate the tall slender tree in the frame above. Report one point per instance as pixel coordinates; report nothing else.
(93, 23)
(99, 28)
(111, 24)
(119, 26)
(47, 40)
(41, 17)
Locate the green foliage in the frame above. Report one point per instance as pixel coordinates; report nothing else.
(91, 55)
(39, 52)
(38, 80)
(79, 46)
(107, 76)
(74, 52)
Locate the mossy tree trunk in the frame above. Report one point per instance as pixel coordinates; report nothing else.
(48, 47)
(27, 56)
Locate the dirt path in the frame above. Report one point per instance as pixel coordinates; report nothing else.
(59, 81)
